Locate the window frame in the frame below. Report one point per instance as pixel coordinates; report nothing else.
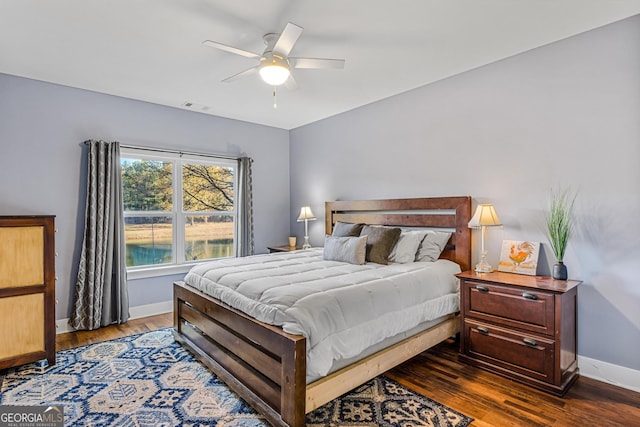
(179, 262)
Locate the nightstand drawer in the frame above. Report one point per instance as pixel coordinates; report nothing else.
(510, 351)
(531, 310)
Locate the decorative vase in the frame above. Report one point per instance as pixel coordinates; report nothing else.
(560, 271)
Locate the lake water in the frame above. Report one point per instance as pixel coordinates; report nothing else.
(159, 253)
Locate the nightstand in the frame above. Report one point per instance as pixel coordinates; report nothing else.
(285, 248)
(520, 327)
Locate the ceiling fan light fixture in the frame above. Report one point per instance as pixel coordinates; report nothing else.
(274, 70)
(274, 66)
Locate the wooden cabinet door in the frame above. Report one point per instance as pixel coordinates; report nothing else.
(22, 325)
(21, 256)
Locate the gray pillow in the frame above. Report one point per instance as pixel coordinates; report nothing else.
(345, 229)
(407, 247)
(432, 245)
(380, 242)
(345, 249)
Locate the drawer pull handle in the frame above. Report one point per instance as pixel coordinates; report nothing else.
(529, 296)
(482, 330)
(529, 341)
(482, 288)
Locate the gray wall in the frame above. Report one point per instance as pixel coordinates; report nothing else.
(42, 165)
(567, 114)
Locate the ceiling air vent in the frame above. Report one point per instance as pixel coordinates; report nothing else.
(194, 106)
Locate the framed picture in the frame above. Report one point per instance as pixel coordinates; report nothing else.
(519, 257)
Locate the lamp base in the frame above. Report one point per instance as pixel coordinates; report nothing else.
(483, 267)
(306, 244)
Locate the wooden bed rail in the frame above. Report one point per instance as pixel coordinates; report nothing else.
(336, 384)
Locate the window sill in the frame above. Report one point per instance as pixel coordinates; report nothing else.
(163, 270)
(157, 271)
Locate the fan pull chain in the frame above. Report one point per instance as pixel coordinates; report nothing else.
(275, 100)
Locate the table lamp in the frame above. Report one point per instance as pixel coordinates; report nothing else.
(306, 215)
(485, 216)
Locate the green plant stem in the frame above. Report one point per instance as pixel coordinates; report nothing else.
(559, 224)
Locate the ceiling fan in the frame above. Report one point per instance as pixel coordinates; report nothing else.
(275, 63)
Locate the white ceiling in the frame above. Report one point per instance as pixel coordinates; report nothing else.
(152, 50)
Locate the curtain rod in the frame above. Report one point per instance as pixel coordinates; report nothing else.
(188, 153)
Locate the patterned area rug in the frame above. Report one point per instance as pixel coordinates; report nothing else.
(150, 380)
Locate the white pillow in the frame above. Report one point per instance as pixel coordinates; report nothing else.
(345, 249)
(432, 245)
(407, 247)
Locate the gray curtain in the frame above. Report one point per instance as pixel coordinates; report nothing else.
(244, 204)
(101, 297)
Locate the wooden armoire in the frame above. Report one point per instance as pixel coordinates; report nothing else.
(27, 290)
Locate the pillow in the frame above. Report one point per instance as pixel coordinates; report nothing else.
(345, 229)
(380, 242)
(432, 245)
(407, 247)
(346, 249)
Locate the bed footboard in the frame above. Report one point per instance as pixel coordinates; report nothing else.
(261, 363)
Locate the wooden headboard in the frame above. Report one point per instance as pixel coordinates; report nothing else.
(450, 213)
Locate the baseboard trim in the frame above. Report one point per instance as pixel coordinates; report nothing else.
(62, 325)
(620, 376)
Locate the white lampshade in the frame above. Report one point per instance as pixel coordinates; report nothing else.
(486, 216)
(305, 213)
(274, 70)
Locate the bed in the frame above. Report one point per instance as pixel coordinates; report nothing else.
(267, 366)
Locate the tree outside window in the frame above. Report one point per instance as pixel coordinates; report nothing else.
(173, 217)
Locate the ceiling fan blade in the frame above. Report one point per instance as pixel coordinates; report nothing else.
(321, 63)
(291, 83)
(287, 39)
(241, 74)
(231, 49)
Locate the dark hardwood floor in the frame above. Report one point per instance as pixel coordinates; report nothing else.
(491, 400)
(132, 327)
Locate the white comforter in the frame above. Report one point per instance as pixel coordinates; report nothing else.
(340, 308)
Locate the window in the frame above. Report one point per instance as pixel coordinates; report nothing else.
(177, 210)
